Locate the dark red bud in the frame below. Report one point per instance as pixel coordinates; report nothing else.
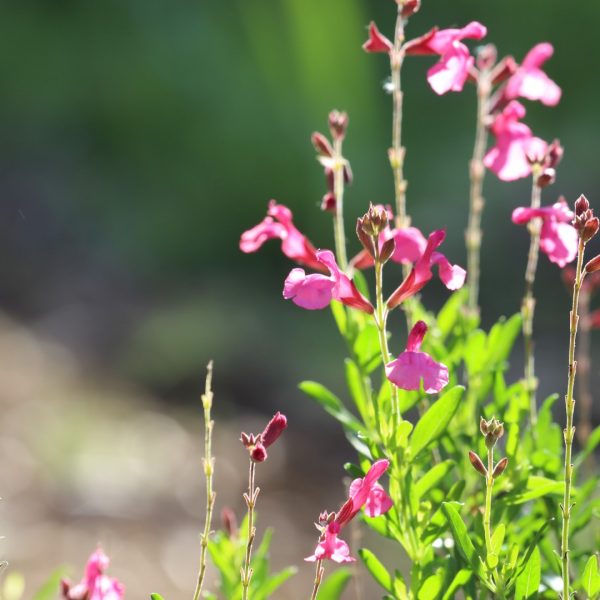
(274, 429)
(321, 144)
(593, 265)
(500, 467)
(258, 453)
(477, 463)
(547, 177)
(328, 203)
(387, 250)
(409, 7)
(554, 154)
(581, 205)
(229, 522)
(338, 123)
(365, 239)
(590, 229)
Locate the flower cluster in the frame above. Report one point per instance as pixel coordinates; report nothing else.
(95, 585)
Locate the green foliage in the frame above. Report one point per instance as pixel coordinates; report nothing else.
(333, 586)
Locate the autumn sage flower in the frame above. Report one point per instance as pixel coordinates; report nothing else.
(558, 237)
(316, 291)
(514, 144)
(365, 492)
(529, 81)
(257, 444)
(413, 367)
(94, 585)
(278, 224)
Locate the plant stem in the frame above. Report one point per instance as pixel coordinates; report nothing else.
(528, 303)
(380, 321)
(209, 463)
(250, 498)
(569, 429)
(476, 203)
(487, 515)
(318, 578)
(584, 414)
(397, 152)
(338, 192)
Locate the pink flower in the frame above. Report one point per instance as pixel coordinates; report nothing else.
(452, 276)
(514, 142)
(95, 585)
(452, 70)
(257, 444)
(558, 237)
(529, 81)
(413, 368)
(363, 492)
(330, 547)
(278, 224)
(316, 291)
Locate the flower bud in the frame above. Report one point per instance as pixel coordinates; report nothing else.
(590, 229)
(503, 70)
(366, 240)
(581, 205)
(483, 426)
(387, 249)
(338, 123)
(229, 522)
(374, 221)
(593, 265)
(554, 154)
(321, 144)
(477, 463)
(493, 430)
(248, 440)
(500, 467)
(546, 177)
(409, 7)
(258, 453)
(274, 429)
(328, 203)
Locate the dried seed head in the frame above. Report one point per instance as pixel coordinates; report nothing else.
(409, 7)
(483, 426)
(477, 463)
(493, 430)
(486, 57)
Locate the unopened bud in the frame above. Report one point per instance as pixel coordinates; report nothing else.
(486, 57)
(275, 427)
(554, 154)
(409, 7)
(503, 70)
(590, 229)
(229, 522)
(581, 205)
(328, 203)
(375, 220)
(338, 123)
(321, 144)
(258, 453)
(387, 249)
(546, 177)
(493, 430)
(593, 265)
(500, 467)
(483, 426)
(477, 463)
(366, 240)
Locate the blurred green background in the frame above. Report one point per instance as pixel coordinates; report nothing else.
(139, 139)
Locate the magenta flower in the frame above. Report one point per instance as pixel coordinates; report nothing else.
(257, 444)
(316, 291)
(413, 368)
(95, 585)
(558, 237)
(514, 143)
(278, 224)
(452, 276)
(363, 492)
(529, 81)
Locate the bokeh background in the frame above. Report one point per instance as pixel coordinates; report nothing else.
(138, 140)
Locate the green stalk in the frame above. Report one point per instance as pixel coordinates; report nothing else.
(487, 514)
(318, 578)
(338, 192)
(209, 463)
(569, 430)
(250, 498)
(528, 303)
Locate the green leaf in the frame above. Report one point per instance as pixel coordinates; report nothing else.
(451, 312)
(275, 581)
(498, 538)
(357, 384)
(332, 404)
(460, 579)
(432, 478)
(501, 339)
(49, 589)
(377, 570)
(366, 348)
(435, 421)
(432, 587)
(339, 314)
(528, 581)
(156, 597)
(333, 586)
(591, 577)
(461, 535)
(537, 487)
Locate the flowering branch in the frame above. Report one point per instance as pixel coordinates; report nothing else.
(209, 463)
(587, 226)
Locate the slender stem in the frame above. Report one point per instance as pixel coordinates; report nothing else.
(487, 515)
(250, 498)
(318, 578)
(338, 192)
(397, 152)
(584, 414)
(380, 321)
(528, 303)
(569, 430)
(476, 203)
(209, 464)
